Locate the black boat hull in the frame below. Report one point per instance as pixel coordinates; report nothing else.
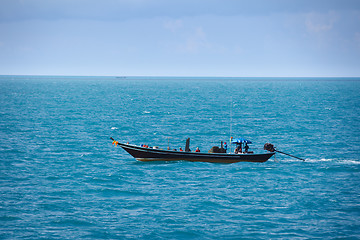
(149, 154)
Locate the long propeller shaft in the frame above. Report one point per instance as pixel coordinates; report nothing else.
(290, 155)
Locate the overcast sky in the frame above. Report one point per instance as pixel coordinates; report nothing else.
(235, 38)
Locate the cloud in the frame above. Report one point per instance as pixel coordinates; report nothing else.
(357, 39)
(14, 10)
(192, 37)
(173, 25)
(195, 42)
(319, 22)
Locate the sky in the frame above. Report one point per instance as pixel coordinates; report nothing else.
(217, 38)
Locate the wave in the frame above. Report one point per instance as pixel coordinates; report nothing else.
(350, 161)
(319, 160)
(322, 160)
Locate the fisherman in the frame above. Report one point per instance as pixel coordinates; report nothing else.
(246, 148)
(197, 149)
(225, 146)
(238, 149)
(180, 150)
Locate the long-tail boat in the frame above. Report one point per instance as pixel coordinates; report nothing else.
(146, 154)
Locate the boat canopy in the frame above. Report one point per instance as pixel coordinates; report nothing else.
(241, 140)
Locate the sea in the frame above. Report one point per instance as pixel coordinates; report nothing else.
(62, 178)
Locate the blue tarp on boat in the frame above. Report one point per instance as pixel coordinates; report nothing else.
(240, 140)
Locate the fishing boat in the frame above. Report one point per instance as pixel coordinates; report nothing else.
(146, 154)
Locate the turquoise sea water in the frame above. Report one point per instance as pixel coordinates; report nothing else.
(61, 178)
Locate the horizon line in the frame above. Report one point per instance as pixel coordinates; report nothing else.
(164, 76)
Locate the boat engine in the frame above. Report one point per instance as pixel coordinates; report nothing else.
(216, 149)
(269, 147)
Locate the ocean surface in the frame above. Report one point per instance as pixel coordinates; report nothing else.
(61, 177)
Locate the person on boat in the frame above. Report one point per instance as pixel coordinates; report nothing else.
(197, 150)
(180, 150)
(238, 149)
(246, 148)
(225, 146)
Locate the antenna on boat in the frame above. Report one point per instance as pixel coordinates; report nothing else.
(168, 138)
(231, 103)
